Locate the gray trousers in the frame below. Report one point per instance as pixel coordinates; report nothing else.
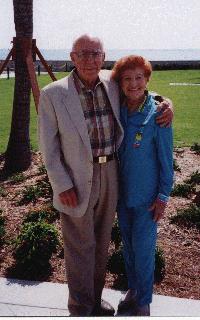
(86, 241)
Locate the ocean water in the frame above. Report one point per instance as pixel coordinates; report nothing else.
(158, 55)
(114, 54)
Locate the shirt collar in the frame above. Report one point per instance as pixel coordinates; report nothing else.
(79, 84)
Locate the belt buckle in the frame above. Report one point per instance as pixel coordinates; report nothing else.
(103, 159)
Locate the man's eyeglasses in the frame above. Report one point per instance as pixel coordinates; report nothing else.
(84, 55)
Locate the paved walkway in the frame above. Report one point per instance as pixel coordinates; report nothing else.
(184, 84)
(31, 298)
(12, 74)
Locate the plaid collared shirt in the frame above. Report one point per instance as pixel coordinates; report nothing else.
(98, 116)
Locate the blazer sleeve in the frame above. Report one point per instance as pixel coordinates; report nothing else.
(50, 147)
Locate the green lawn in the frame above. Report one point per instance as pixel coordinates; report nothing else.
(186, 100)
(6, 100)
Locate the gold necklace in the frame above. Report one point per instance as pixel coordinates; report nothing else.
(134, 108)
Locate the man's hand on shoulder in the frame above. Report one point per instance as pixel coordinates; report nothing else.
(69, 198)
(165, 119)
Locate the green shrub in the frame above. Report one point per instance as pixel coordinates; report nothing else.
(115, 235)
(116, 263)
(3, 192)
(34, 247)
(194, 178)
(159, 272)
(32, 193)
(18, 177)
(189, 217)
(176, 166)
(45, 187)
(196, 148)
(47, 214)
(196, 200)
(182, 190)
(42, 169)
(2, 226)
(186, 189)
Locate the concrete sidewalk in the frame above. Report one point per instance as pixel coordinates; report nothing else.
(3, 75)
(31, 298)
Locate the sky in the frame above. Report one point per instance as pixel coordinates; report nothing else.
(121, 24)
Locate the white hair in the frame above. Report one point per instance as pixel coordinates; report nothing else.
(86, 37)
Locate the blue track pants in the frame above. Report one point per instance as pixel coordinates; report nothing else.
(139, 233)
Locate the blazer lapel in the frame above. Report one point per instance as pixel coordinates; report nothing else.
(112, 96)
(72, 103)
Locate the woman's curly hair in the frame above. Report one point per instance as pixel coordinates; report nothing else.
(131, 62)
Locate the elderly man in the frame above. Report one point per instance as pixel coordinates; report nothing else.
(79, 134)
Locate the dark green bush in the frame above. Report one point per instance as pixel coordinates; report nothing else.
(47, 214)
(18, 177)
(115, 235)
(2, 226)
(32, 193)
(45, 187)
(42, 169)
(196, 148)
(159, 272)
(116, 263)
(176, 166)
(34, 247)
(182, 190)
(3, 192)
(189, 186)
(196, 200)
(189, 217)
(194, 178)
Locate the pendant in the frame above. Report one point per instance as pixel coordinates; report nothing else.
(136, 145)
(138, 138)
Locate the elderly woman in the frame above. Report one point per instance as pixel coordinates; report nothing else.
(146, 178)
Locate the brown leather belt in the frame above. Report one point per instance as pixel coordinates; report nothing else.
(104, 159)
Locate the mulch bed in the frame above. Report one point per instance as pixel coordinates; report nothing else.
(181, 245)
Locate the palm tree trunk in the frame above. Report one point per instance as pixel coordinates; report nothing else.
(18, 153)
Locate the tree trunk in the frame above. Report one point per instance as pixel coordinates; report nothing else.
(18, 153)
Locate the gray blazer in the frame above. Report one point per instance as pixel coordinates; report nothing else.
(64, 140)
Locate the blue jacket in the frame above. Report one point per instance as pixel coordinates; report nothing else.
(146, 172)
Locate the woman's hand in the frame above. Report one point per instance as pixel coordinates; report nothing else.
(158, 208)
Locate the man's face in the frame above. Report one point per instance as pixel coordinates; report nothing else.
(88, 58)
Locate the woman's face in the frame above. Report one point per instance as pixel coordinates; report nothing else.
(133, 83)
